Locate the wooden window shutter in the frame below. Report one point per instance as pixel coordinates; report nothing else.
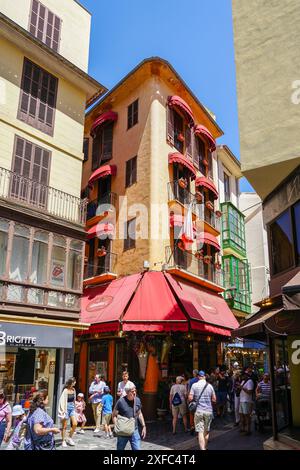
(45, 25)
(128, 174)
(195, 155)
(96, 151)
(85, 149)
(188, 142)
(107, 142)
(170, 125)
(134, 170)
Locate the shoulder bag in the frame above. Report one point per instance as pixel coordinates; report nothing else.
(193, 404)
(45, 443)
(125, 427)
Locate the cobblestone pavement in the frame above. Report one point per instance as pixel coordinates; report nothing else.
(224, 436)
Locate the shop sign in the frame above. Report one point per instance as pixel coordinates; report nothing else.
(295, 357)
(14, 334)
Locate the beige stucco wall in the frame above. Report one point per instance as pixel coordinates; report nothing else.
(66, 143)
(75, 30)
(266, 41)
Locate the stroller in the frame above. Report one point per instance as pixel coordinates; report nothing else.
(263, 414)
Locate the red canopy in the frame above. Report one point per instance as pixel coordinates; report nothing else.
(154, 307)
(177, 157)
(101, 229)
(103, 305)
(104, 117)
(206, 237)
(207, 312)
(182, 105)
(204, 132)
(102, 172)
(207, 183)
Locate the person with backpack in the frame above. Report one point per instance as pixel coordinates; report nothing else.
(178, 396)
(202, 396)
(247, 390)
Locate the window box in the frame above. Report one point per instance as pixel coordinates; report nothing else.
(182, 183)
(101, 252)
(209, 205)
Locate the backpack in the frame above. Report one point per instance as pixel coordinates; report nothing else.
(176, 401)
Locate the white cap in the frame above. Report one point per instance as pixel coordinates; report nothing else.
(80, 395)
(17, 411)
(235, 364)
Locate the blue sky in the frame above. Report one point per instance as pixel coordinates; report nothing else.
(196, 37)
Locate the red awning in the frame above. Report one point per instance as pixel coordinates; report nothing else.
(101, 229)
(204, 132)
(207, 183)
(209, 239)
(102, 172)
(208, 312)
(177, 157)
(182, 105)
(104, 117)
(103, 306)
(154, 307)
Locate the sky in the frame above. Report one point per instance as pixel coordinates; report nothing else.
(195, 36)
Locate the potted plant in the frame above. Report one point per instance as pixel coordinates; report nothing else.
(207, 259)
(209, 205)
(101, 251)
(162, 399)
(199, 254)
(182, 182)
(180, 137)
(218, 213)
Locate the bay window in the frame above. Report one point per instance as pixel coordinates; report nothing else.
(38, 274)
(3, 244)
(58, 262)
(74, 265)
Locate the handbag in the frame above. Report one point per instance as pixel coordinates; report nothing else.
(125, 427)
(193, 404)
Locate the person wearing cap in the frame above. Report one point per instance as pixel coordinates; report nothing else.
(130, 406)
(107, 403)
(204, 395)
(18, 435)
(79, 412)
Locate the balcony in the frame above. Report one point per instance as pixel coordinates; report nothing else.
(95, 209)
(43, 198)
(237, 283)
(212, 222)
(240, 301)
(233, 230)
(177, 193)
(103, 270)
(186, 265)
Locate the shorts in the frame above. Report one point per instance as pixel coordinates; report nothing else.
(106, 419)
(70, 411)
(246, 408)
(203, 422)
(179, 409)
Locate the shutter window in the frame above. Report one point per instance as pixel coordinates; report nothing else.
(45, 25)
(188, 142)
(194, 151)
(131, 172)
(107, 141)
(96, 152)
(170, 125)
(85, 149)
(38, 97)
(132, 114)
(129, 241)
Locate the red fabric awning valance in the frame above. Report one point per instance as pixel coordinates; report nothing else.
(205, 237)
(102, 172)
(207, 183)
(104, 117)
(177, 157)
(182, 105)
(101, 229)
(208, 312)
(204, 132)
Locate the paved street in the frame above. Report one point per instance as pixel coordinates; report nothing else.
(223, 437)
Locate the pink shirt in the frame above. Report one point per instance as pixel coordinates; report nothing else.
(5, 409)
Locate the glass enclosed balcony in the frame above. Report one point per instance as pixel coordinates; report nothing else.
(233, 230)
(237, 283)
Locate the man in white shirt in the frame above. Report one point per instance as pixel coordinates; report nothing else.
(203, 393)
(121, 385)
(96, 393)
(246, 402)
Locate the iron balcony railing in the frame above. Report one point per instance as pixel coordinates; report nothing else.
(105, 264)
(45, 198)
(97, 206)
(190, 263)
(177, 193)
(210, 217)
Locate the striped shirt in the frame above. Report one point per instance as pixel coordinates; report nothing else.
(265, 389)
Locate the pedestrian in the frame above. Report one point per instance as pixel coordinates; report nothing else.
(40, 426)
(129, 407)
(96, 393)
(19, 429)
(236, 394)
(222, 393)
(5, 418)
(192, 381)
(203, 394)
(177, 398)
(79, 412)
(121, 385)
(107, 403)
(263, 390)
(246, 401)
(66, 411)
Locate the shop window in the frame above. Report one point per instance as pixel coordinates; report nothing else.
(75, 265)
(282, 250)
(3, 244)
(58, 262)
(39, 260)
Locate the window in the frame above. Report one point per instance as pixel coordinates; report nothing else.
(130, 234)
(102, 145)
(200, 152)
(37, 97)
(19, 256)
(178, 132)
(131, 172)
(85, 149)
(210, 164)
(30, 173)
(3, 244)
(44, 25)
(75, 265)
(58, 262)
(281, 237)
(38, 274)
(226, 187)
(133, 112)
